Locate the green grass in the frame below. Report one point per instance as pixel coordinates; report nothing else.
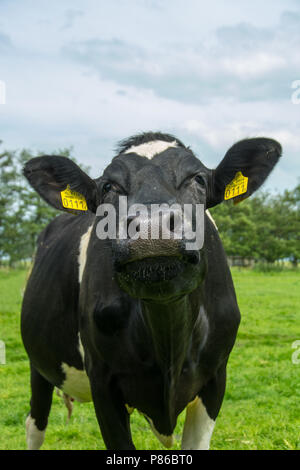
(261, 406)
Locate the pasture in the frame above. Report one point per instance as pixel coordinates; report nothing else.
(261, 406)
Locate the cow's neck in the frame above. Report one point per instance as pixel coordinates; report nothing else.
(171, 327)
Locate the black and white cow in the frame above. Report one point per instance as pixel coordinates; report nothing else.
(142, 323)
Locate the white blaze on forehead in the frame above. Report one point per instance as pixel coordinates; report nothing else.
(84, 242)
(149, 149)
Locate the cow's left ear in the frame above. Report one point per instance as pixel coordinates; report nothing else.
(62, 183)
(243, 170)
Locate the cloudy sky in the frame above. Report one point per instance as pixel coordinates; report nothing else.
(89, 73)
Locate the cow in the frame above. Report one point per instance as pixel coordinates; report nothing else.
(135, 323)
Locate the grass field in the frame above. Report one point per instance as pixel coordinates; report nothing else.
(261, 406)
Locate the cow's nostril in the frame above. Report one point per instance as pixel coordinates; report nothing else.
(192, 257)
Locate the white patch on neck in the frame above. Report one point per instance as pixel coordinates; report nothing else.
(149, 149)
(211, 218)
(84, 242)
(198, 427)
(80, 348)
(76, 384)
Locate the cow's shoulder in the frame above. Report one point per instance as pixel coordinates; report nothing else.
(63, 233)
(218, 292)
(65, 225)
(58, 247)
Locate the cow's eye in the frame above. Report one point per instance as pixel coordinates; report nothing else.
(110, 186)
(107, 187)
(200, 180)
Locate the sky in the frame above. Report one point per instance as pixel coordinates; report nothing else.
(86, 74)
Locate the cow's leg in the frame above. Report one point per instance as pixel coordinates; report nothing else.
(202, 412)
(167, 441)
(40, 404)
(112, 415)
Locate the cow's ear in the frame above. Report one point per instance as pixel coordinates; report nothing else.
(62, 183)
(243, 170)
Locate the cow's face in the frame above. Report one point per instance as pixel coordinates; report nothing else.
(156, 260)
(156, 169)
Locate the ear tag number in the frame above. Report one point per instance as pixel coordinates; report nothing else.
(237, 186)
(73, 200)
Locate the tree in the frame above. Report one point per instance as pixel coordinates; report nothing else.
(265, 227)
(289, 211)
(237, 228)
(8, 190)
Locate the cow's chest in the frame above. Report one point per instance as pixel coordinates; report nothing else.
(155, 394)
(147, 392)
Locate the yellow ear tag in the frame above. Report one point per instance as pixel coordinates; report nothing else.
(237, 186)
(73, 200)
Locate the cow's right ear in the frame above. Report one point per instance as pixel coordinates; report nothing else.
(243, 170)
(62, 183)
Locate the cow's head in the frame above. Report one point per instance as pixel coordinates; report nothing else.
(156, 169)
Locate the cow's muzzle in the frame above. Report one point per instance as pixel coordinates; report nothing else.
(142, 263)
(156, 237)
(153, 260)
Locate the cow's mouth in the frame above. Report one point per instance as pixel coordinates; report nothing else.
(160, 268)
(156, 268)
(160, 278)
